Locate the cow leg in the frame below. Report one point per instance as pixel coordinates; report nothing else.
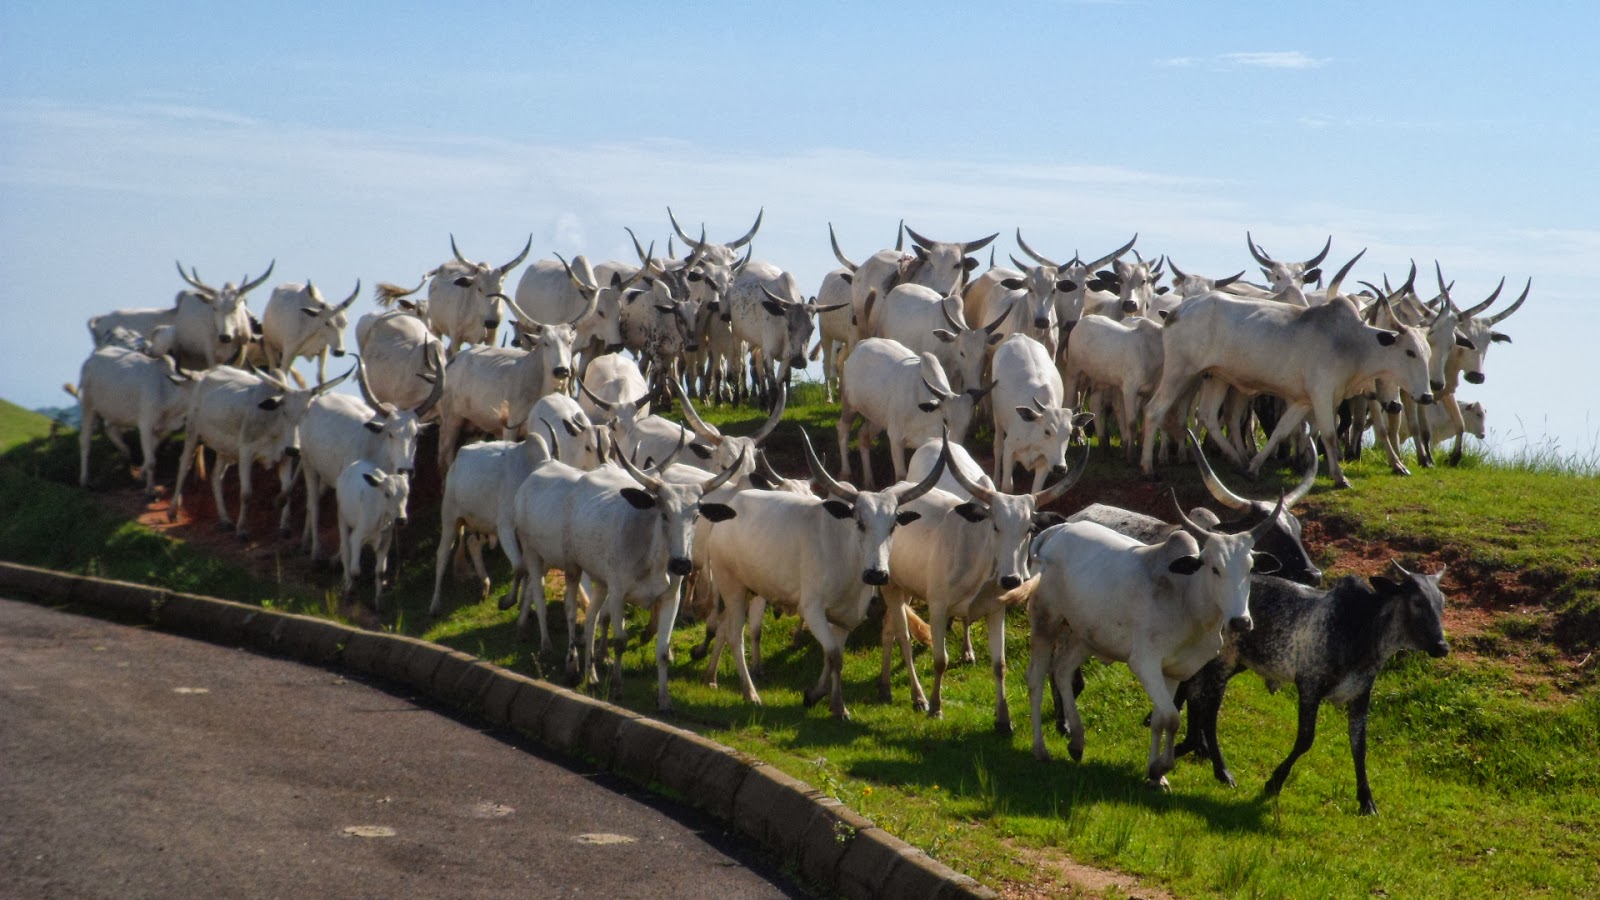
(349, 562)
(996, 622)
(1287, 424)
(1066, 665)
(736, 605)
(846, 415)
(896, 630)
(1453, 407)
(1040, 648)
(1164, 718)
(380, 565)
(597, 611)
(449, 534)
(1358, 750)
(1307, 732)
(816, 618)
(938, 626)
(85, 438)
(615, 606)
(475, 550)
(147, 449)
(313, 535)
(247, 466)
(756, 621)
(666, 607)
(1327, 423)
(570, 602)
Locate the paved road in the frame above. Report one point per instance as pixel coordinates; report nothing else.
(140, 764)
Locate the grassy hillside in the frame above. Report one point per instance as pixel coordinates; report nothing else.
(1482, 763)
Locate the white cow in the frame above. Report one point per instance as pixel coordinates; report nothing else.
(836, 329)
(1163, 609)
(1312, 358)
(120, 388)
(940, 265)
(403, 359)
(1071, 282)
(372, 504)
(899, 392)
(1283, 275)
(925, 322)
(1473, 416)
(554, 291)
(297, 323)
(1032, 423)
(774, 319)
(244, 418)
(1120, 359)
(959, 557)
(465, 298)
(211, 326)
(819, 559)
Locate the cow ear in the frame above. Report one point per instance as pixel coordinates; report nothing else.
(270, 404)
(1012, 284)
(763, 481)
(848, 278)
(838, 509)
(1311, 276)
(973, 512)
(717, 512)
(1083, 420)
(1162, 290)
(906, 517)
(572, 427)
(969, 263)
(373, 426)
(1385, 587)
(632, 295)
(1027, 414)
(1185, 565)
(669, 310)
(638, 498)
(1464, 341)
(997, 337)
(1043, 520)
(702, 450)
(1163, 313)
(1499, 338)
(772, 307)
(372, 478)
(463, 281)
(944, 334)
(1264, 563)
(407, 304)
(310, 311)
(695, 276)
(1066, 285)
(927, 406)
(256, 327)
(1387, 338)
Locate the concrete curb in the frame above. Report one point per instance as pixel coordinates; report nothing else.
(827, 842)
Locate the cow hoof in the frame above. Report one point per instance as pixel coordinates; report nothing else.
(1226, 778)
(1003, 728)
(1369, 808)
(885, 695)
(698, 652)
(1402, 471)
(967, 659)
(1159, 784)
(808, 699)
(1041, 754)
(1062, 729)
(285, 533)
(224, 526)
(1342, 483)
(1075, 752)
(244, 537)
(919, 706)
(507, 602)
(483, 592)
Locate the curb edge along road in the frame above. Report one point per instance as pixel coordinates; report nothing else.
(828, 843)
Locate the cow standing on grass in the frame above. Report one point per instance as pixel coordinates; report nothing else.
(372, 505)
(120, 388)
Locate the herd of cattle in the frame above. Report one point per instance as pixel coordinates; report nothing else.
(636, 508)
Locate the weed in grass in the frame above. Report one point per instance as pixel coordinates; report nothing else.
(994, 805)
(1240, 869)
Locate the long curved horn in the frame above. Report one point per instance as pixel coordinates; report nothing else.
(734, 245)
(350, 299)
(1031, 252)
(1265, 525)
(1315, 261)
(776, 415)
(936, 391)
(975, 246)
(587, 311)
(1014, 261)
(602, 405)
(679, 229)
(994, 326)
(978, 491)
(1189, 524)
(721, 478)
(1255, 251)
(765, 465)
(249, 286)
(434, 357)
(1310, 477)
(327, 386)
(821, 474)
(899, 236)
(837, 253)
(573, 276)
(648, 482)
(459, 258)
(638, 248)
(1177, 273)
(522, 314)
(1050, 494)
(921, 241)
(268, 377)
(695, 254)
(193, 280)
(1500, 316)
(773, 297)
(944, 307)
(696, 423)
(906, 495)
(1333, 286)
(1223, 282)
(1469, 313)
(520, 256)
(1094, 266)
(383, 408)
(1214, 484)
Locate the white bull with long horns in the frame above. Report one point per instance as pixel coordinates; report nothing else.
(210, 325)
(466, 299)
(298, 324)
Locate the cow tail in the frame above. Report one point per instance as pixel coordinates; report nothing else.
(920, 631)
(72, 389)
(1019, 596)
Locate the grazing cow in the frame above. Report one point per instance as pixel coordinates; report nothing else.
(372, 504)
(940, 265)
(1162, 609)
(465, 297)
(1311, 358)
(211, 326)
(820, 559)
(959, 557)
(245, 418)
(1473, 416)
(906, 395)
(297, 323)
(120, 388)
(339, 429)
(1123, 358)
(479, 380)
(1331, 645)
(1032, 424)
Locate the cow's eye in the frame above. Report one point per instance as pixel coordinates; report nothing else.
(1411, 353)
(861, 526)
(1215, 572)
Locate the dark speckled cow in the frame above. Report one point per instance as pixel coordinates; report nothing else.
(1330, 644)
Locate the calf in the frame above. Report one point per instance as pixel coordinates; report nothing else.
(1330, 644)
(372, 504)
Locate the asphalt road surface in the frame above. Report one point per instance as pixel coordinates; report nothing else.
(140, 764)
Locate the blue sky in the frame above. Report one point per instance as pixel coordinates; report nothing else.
(351, 142)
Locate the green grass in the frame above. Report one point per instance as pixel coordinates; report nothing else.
(1485, 787)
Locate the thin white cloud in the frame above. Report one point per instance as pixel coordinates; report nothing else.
(1282, 59)
(1177, 62)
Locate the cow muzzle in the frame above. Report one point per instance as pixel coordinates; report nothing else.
(1058, 471)
(798, 361)
(1475, 377)
(1130, 306)
(292, 452)
(1394, 407)
(614, 348)
(1010, 582)
(225, 338)
(1436, 385)
(339, 353)
(875, 577)
(490, 325)
(1240, 624)
(1425, 399)
(680, 566)
(1041, 322)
